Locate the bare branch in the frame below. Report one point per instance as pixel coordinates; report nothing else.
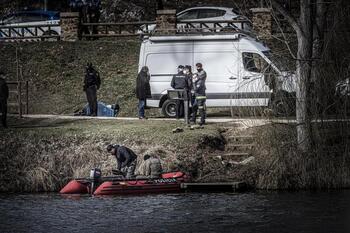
(291, 20)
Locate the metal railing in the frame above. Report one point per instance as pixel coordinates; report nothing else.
(212, 26)
(22, 32)
(16, 94)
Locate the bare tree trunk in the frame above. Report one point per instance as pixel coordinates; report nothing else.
(304, 30)
(302, 94)
(304, 68)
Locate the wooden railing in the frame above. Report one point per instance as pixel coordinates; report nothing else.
(21, 32)
(16, 96)
(123, 29)
(126, 29)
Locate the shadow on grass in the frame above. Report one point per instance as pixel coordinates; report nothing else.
(17, 123)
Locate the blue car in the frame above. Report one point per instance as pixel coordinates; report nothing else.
(30, 19)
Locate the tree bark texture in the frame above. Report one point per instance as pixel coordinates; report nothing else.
(304, 69)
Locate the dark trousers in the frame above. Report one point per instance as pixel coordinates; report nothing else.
(179, 108)
(91, 95)
(199, 104)
(94, 18)
(3, 109)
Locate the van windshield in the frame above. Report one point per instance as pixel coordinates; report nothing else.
(253, 62)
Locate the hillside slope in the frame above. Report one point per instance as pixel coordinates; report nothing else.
(55, 73)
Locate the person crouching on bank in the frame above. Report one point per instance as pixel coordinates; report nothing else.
(126, 159)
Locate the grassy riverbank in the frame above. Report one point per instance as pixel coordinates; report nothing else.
(44, 154)
(280, 165)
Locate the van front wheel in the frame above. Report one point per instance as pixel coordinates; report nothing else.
(169, 108)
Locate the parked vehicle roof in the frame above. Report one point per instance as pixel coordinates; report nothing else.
(227, 9)
(53, 15)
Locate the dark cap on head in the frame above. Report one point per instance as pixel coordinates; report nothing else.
(188, 67)
(111, 146)
(180, 67)
(199, 65)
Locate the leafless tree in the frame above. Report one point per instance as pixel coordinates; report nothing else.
(309, 29)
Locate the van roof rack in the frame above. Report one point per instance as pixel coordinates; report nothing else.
(186, 37)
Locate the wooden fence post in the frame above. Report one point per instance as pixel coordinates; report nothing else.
(19, 90)
(27, 97)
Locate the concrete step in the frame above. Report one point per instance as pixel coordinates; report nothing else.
(241, 162)
(13, 92)
(238, 147)
(241, 138)
(248, 145)
(235, 156)
(12, 104)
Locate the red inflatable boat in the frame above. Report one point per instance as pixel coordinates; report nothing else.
(169, 182)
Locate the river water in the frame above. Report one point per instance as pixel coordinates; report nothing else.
(186, 212)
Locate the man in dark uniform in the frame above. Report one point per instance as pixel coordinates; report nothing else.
(189, 75)
(126, 159)
(92, 83)
(199, 91)
(4, 94)
(82, 7)
(180, 81)
(94, 13)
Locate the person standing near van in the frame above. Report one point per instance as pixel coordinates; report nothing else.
(4, 94)
(92, 83)
(189, 75)
(179, 81)
(143, 90)
(199, 92)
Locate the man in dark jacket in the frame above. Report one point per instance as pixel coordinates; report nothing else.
(92, 83)
(199, 91)
(4, 94)
(94, 13)
(180, 82)
(143, 90)
(126, 159)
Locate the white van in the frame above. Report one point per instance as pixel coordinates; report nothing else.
(239, 71)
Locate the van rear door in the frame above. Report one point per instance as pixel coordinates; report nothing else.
(163, 58)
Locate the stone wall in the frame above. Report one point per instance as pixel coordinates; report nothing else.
(69, 26)
(166, 22)
(262, 22)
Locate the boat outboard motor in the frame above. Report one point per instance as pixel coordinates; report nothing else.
(95, 176)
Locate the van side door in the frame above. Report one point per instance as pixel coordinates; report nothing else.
(220, 63)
